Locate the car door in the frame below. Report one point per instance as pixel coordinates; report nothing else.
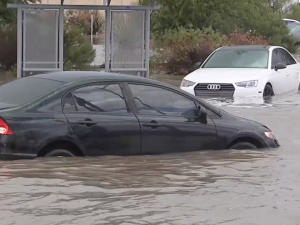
(164, 129)
(292, 68)
(279, 78)
(102, 120)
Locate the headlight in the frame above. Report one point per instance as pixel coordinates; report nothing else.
(270, 135)
(247, 84)
(187, 83)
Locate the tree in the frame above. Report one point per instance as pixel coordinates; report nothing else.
(78, 52)
(223, 16)
(9, 15)
(294, 13)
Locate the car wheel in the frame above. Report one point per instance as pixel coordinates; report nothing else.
(268, 91)
(59, 153)
(243, 146)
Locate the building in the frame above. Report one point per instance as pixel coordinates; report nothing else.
(90, 2)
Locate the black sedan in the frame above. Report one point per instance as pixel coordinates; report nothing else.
(93, 113)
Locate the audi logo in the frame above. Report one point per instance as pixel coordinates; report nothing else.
(214, 87)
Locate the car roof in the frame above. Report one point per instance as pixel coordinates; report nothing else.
(72, 76)
(247, 47)
(290, 20)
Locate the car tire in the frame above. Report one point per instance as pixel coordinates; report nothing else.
(268, 91)
(59, 153)
(243, 146)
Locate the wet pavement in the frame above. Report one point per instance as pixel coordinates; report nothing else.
(209, 187)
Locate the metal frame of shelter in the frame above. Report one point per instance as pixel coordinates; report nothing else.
(40, 37)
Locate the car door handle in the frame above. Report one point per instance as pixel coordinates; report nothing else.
(86, 122)
(152, 124)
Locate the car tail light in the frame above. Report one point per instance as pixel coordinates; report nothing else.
(4, 128)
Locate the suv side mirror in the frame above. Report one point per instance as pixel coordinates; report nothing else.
(280, 66)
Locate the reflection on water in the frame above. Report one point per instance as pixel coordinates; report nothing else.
(234, 187)
(254, 102)
(209, 187)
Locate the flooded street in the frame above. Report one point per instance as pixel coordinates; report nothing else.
(209, 188)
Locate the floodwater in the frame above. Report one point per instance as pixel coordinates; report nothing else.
(209, 187)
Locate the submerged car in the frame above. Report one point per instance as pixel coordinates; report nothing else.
(95, 113)
(294, 28)
(245, 70)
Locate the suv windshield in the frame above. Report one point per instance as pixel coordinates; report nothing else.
(24, 90)
(238, 58)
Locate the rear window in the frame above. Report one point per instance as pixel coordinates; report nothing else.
(24, 90)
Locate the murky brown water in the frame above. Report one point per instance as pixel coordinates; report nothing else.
(209, 188)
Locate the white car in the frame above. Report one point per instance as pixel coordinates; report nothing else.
(245, 70)
(287, 21)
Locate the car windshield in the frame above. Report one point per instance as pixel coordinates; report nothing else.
(238, 58)
(24, 90)
(294, 28)
(293, 25)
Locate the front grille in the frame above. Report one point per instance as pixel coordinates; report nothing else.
(226, 90)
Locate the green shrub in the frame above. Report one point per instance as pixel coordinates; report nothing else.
(78, 52)
(12, 72)
(177, 52)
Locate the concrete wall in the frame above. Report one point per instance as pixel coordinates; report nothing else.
(89, 2)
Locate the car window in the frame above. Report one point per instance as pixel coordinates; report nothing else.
(238, 58)
(27, 89)
(50, 106)
(68, 104)
(159, 101)
(276, 58)
(287, 58)
(100, 98)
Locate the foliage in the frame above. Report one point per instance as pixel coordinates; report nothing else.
(12, 72)
(178, 51)
(8, 45)
(223, 16)
(240, 38)
(9, 15)
(79, 54)
(82, 18)
(294, 13)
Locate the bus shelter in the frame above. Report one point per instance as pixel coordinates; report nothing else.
(40, 35)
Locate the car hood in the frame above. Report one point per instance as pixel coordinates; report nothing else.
(240, 120)
(224, 75)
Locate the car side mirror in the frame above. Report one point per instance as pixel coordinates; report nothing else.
(280, 66)
(195, 67)
(202, 113)
(194, 115)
